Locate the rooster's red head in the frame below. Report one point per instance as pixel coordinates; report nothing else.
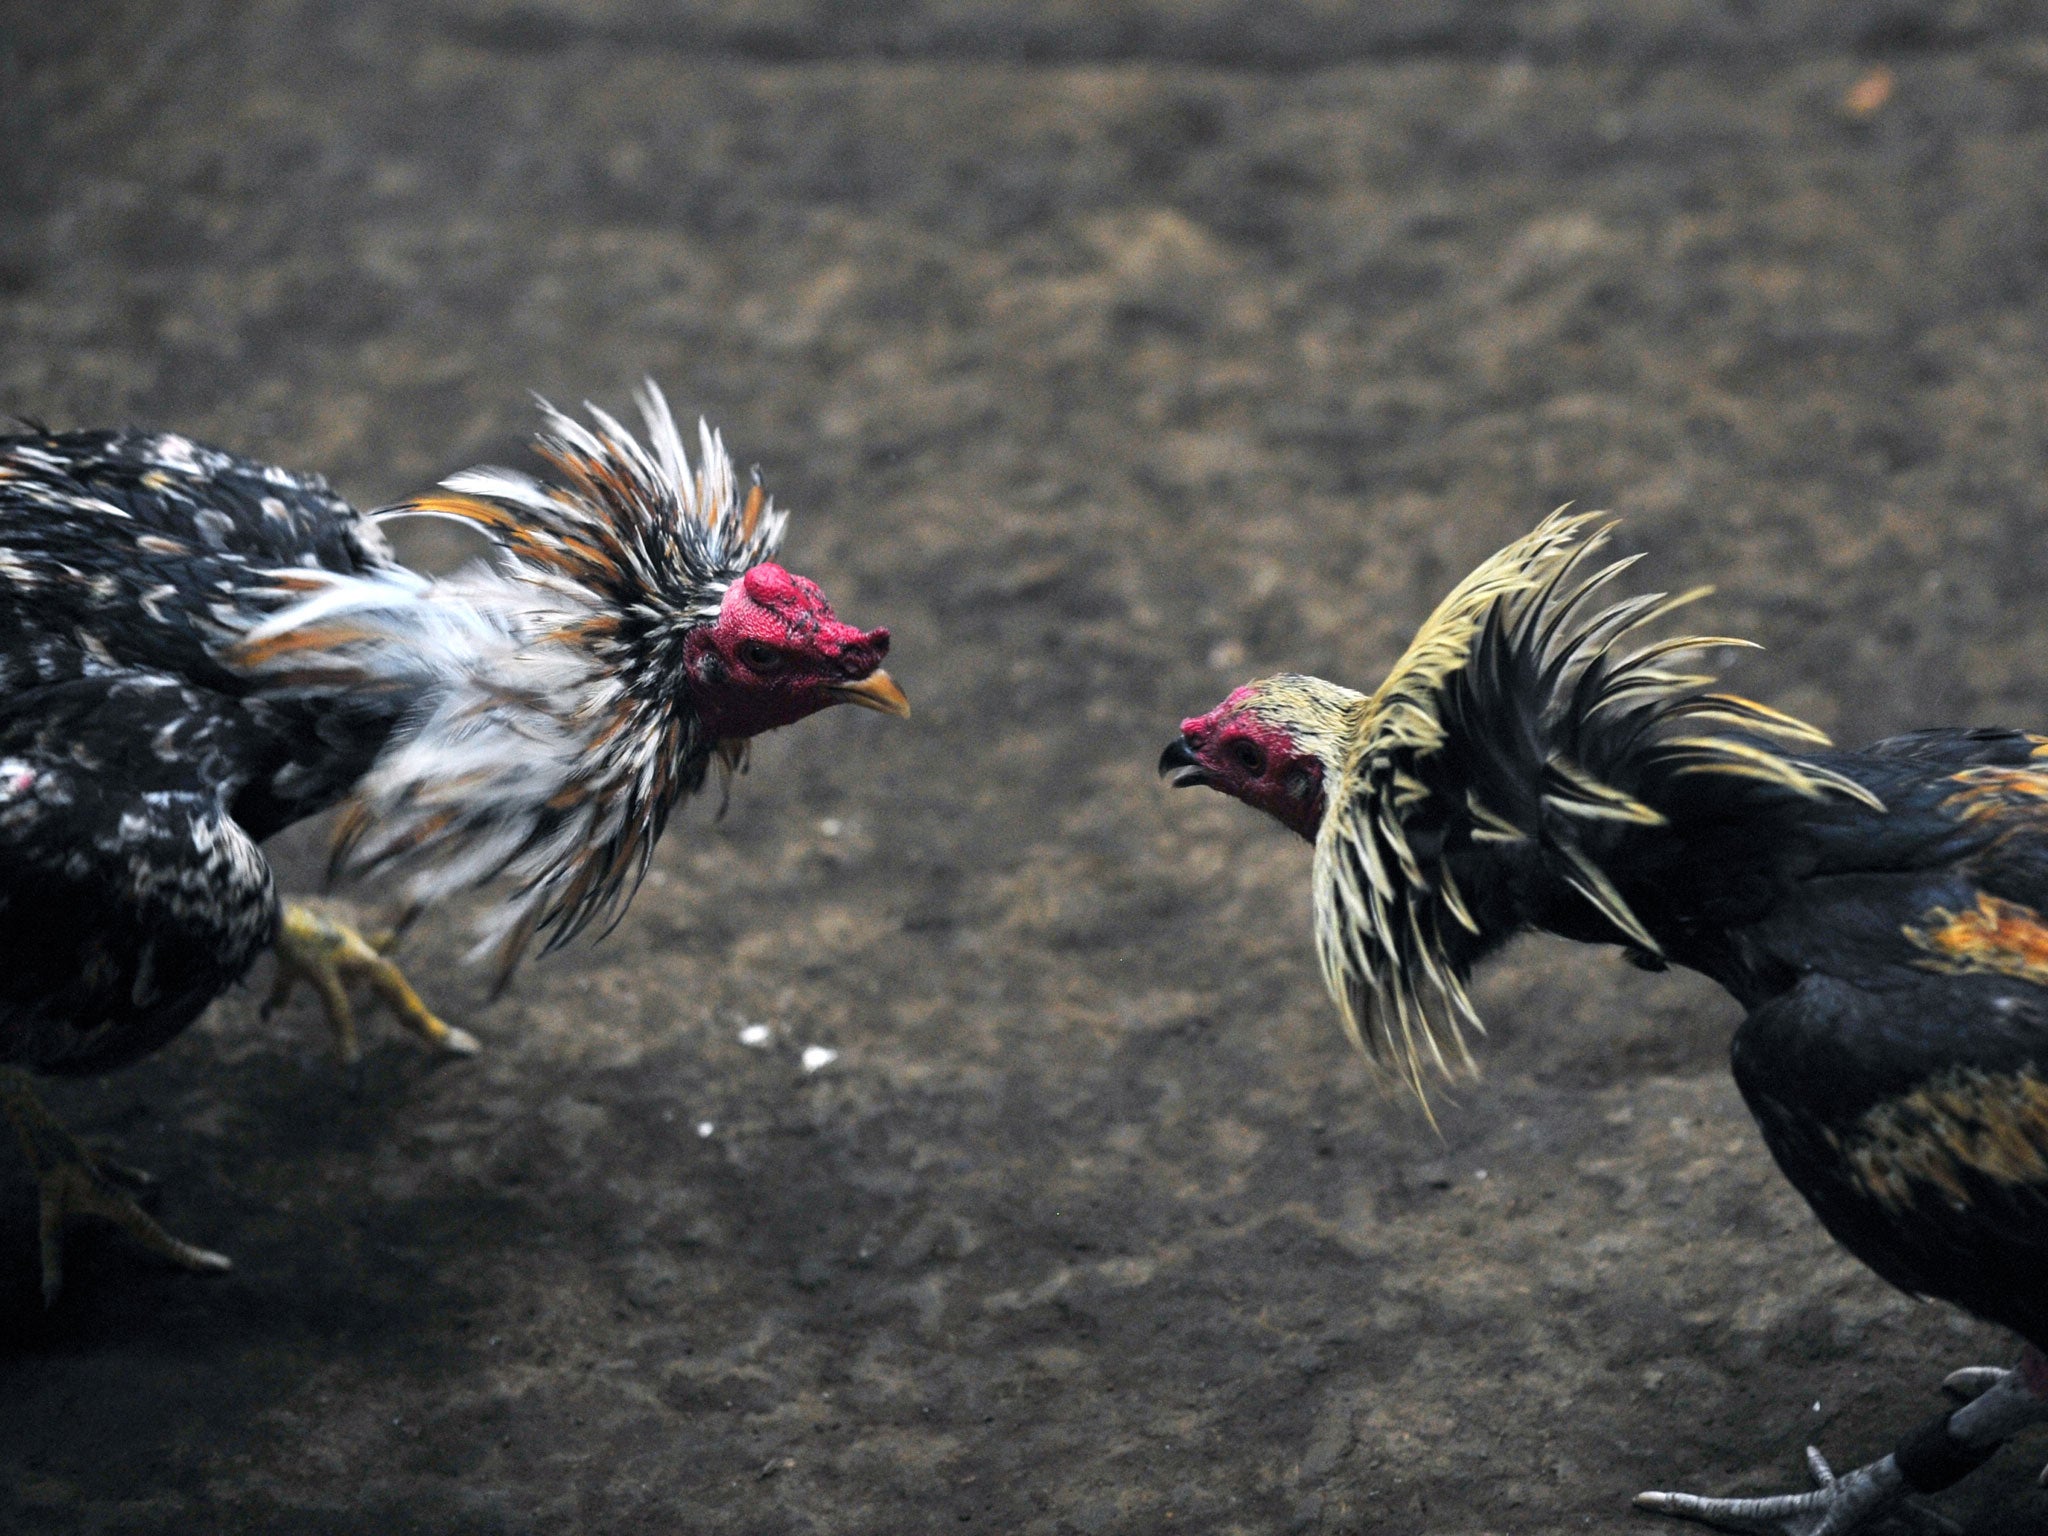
(1273, 744)
(777, 652)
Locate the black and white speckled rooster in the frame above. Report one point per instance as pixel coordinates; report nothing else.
(197, 651)
(1881, 915)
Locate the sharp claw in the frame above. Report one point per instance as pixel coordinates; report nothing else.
(125, 1173)
(1972, 1381)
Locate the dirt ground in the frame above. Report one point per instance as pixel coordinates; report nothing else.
(1110, 353)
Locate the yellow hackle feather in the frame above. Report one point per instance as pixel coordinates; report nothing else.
(1384, 919)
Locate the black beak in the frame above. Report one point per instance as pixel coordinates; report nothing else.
(1179, 763)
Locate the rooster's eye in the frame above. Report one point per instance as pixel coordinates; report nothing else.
(1249, 756)
(759, 657)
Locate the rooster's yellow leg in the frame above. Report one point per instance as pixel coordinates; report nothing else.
(326, 954)
(75, 1183)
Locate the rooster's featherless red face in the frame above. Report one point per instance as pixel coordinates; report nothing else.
(1242, 750)
(776, 653)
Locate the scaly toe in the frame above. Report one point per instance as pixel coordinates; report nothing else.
(78, 1188)
(140, 1180)
(1856, 1503)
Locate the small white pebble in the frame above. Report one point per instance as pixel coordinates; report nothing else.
(831, 826)
(818, 1056)
(1816, 1405)
(758, 1036)
(705, 1128)
(1480, 1174)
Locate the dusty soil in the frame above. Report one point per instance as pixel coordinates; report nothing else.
(1110, 354)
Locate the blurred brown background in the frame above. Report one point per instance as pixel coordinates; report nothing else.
(1110, 354)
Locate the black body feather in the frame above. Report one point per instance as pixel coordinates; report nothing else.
(137, 771)
(1878, 913)
(1894, 965)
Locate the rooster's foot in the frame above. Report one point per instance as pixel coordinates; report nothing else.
(1838, 1506)
(1996, 1405)
(326, 953)
(74, 1182)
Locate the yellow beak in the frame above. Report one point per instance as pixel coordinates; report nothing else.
(877, 690)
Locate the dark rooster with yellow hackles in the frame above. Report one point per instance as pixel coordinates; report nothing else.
(1532, 763)
(198, 650)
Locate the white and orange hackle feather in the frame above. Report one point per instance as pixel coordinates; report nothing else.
(629, 632)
